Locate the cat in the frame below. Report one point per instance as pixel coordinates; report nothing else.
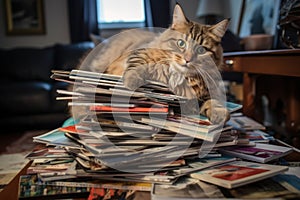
(176, 57)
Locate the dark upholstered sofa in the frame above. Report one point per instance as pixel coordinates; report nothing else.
(28, 95)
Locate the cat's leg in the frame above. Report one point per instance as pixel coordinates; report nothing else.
(134, 78)
(136, 75)
(215, 111)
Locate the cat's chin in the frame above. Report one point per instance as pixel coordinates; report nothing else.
(191, 74)
(183, 69)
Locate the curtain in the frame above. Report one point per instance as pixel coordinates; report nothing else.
(82, 19)
(157, 13)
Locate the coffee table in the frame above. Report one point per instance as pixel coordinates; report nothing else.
(11, 190)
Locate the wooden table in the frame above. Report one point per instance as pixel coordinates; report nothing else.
(275, 73)
(10, 191)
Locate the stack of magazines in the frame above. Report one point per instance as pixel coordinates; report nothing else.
(124, 142)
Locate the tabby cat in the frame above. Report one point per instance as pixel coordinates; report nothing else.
(174, 57)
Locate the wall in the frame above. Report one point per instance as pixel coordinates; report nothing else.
(57, 27)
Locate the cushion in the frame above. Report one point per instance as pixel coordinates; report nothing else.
(3, 74)
(28, 97)
(68, 57)
(29, 63)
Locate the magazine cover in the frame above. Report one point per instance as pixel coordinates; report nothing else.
(260, 152)
(257, 136)
(238, 173)
(266, 189)
(185, 188)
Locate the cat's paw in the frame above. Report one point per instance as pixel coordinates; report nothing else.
(133, 81)
(218, 115)
(215, 112)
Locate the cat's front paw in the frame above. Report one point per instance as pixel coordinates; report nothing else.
(133, 81)
(215, 112)
(218, 115)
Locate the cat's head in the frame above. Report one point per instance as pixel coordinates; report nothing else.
(193, 40)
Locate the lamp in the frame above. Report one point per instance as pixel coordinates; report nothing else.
(210, 11)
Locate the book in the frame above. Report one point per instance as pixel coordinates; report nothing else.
(262, 153)
(238, 173)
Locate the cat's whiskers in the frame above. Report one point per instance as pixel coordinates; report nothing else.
(186, 57)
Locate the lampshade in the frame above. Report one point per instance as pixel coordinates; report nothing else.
(210, 7)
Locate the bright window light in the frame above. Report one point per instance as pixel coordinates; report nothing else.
(118, 12)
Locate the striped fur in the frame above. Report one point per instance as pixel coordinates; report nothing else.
(174, 57)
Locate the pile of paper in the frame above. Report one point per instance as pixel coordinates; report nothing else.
(139, 140)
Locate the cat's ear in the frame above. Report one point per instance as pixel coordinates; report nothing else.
(178, 16)
(220, 28)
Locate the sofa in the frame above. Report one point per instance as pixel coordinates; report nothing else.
(28, 94)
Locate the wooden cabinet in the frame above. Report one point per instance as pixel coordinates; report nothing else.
(274, 74)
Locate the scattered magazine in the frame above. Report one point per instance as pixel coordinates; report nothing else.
(262, 153)
(270, 188)
(185, 189)
(238, 173)
(242, 122)
(233, 107)
(257, 136)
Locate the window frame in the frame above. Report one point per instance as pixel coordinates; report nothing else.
(120, 25)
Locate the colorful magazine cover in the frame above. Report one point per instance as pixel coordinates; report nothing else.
(238, 173)
(260, 152)
(29, 187)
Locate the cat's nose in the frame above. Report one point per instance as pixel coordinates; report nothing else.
(188, 57)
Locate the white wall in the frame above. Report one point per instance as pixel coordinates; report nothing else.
(57, 27)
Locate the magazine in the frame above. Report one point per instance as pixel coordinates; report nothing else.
(257, 136)
(260, 152)
(185, 188)
(29, 187)
(264, 189)
(238, 173)
(242, 122)
(204, 133)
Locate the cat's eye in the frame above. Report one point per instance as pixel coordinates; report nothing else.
(200, 50)
(181, 44)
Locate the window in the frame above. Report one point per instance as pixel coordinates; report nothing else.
(120, 13)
